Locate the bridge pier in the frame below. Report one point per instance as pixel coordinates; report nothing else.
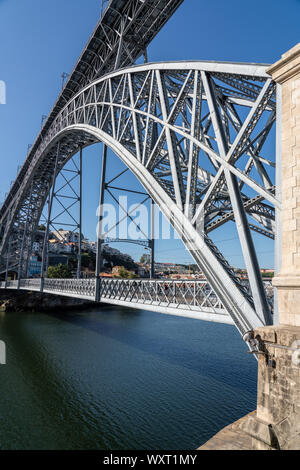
(276, 422)
(286, 72)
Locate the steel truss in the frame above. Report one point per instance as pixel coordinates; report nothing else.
(65, 208)
(122, 35)
(148, 241)
(194, 135)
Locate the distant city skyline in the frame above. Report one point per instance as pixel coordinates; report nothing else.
(34, 59)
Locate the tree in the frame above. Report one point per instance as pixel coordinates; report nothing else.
(59, 272)
(144, 258)
(118, 260)
(72, 262)
(88, 260)
(124, 274)
(85, 260)
(269, 275)
(132, 275)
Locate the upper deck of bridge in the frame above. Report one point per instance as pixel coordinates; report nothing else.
(139, 21)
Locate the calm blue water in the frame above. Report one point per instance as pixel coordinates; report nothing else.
(116, 378)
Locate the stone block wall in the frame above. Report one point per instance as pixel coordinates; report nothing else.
(276, 424)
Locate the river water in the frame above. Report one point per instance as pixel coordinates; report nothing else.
(115, 378)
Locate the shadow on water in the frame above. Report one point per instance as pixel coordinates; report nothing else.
(195, 344)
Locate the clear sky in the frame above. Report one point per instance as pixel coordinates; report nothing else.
(41, 39)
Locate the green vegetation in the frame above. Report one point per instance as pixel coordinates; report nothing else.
(268, 275)
(72, 262)
(88, 260)
(124, 274)
(116, 260)
(59, 272)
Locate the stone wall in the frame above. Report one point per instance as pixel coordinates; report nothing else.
(276, 423)
(18, 301)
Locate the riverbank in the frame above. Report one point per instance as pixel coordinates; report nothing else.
(233, 437)
(22, 302)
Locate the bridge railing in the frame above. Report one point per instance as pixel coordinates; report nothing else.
(32, 284)
(11, 285)
(72, 287)
(194, 295)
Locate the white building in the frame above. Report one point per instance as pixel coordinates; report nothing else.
(60, 248)
(66, 236)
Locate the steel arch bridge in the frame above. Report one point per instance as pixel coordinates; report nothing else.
(194, 134)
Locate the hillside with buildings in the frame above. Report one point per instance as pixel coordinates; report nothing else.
(63, 251)
(63, 248)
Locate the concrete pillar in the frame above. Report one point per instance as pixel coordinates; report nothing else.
(286, 72)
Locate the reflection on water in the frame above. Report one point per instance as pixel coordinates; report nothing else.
(115, 378)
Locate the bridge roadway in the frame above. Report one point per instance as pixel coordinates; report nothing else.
(190, 299)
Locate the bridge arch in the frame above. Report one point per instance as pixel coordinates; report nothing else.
(121, 110)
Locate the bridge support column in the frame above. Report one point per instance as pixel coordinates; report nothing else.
(7, 263)
(79, 250)
(287, 73)
(99, 228)
(45, 253)
(276, 423)
(152, 244)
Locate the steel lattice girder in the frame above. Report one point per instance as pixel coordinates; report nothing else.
(169, 122)
(120, 38)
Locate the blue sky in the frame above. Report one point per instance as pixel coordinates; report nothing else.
(39, 40)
